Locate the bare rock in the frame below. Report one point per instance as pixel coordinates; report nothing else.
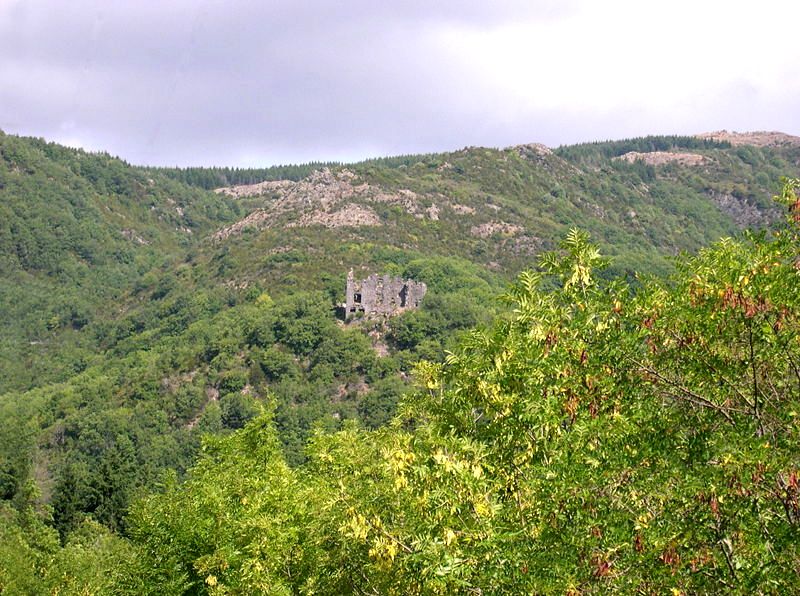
(491, 228)
(326, 198)
(524, 245)
(349, 215)
(760, 138)
(134, 237)
(659, 158)
(534, 150)
(744, 213)
(462, 209)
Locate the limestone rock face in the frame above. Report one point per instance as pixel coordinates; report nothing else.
(382, 295)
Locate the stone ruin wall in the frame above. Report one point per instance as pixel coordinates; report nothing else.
(382, 295)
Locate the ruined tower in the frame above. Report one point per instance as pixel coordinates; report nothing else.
(381, 295)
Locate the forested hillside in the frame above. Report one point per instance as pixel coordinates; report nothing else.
(142, 311)
(77, 232)
(596, 438)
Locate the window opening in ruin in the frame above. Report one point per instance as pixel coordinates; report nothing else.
(357, 298)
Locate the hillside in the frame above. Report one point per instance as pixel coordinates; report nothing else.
(142, 310)
(596, 438)
(499, 208)
(77, 232)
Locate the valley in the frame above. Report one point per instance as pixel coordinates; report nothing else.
(155, 317)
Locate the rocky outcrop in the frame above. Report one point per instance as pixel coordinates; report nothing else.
(744, 213)
(134, 237)
(660, 158)
(485, 230)
(350, 214)
(760, 138)
(533, 150)
(325, 198)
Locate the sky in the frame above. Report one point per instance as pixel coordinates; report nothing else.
(263, 82)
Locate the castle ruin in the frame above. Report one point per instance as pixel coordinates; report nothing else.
(381, 295)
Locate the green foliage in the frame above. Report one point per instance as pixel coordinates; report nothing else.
(523, 462)
(379, 405)
(94, 561)
(223, 530)
(592, 441)
(211, 178)
(77, 231)
(609, 149)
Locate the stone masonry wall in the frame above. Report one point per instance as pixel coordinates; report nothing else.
(382, 295)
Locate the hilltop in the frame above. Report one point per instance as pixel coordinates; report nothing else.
(644, 199)
(760, 138)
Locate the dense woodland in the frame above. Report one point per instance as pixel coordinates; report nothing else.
(184, 415)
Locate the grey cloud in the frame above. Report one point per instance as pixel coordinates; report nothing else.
(246, 82)
(215, 78)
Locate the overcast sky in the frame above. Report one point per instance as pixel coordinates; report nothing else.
(248, 83)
